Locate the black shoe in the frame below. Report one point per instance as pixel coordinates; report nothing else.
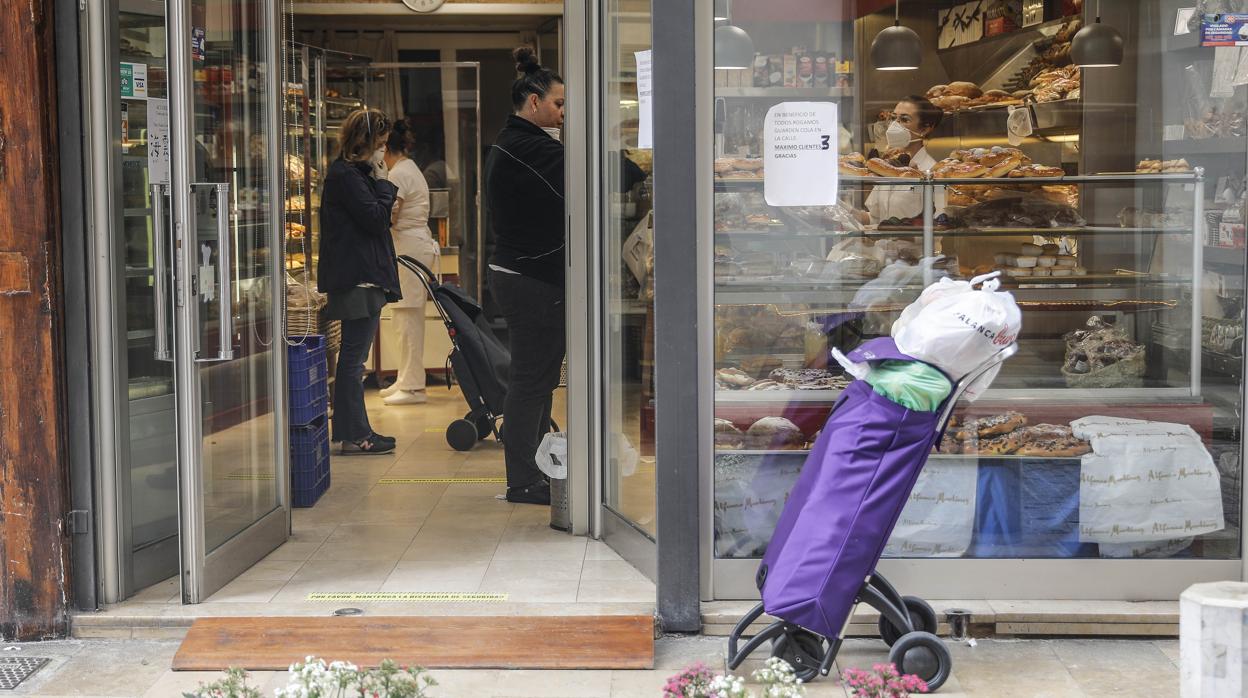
(366, 447)
(387, 439)
(537, 493)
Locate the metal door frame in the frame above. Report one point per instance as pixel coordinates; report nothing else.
(203, 571)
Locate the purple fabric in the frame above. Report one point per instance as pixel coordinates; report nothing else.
(842, 510)
(880, 349)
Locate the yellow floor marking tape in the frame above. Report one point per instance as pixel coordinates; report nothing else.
(435, 430)
(413, 596)
(440, 480)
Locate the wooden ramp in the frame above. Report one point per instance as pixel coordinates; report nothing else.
(443, 642)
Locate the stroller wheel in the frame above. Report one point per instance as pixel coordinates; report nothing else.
(924, 655)
(922, 615)
(803, 650)
(485, 425)
(461, 434)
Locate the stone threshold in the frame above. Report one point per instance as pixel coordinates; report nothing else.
(999, 618)
(148, 621)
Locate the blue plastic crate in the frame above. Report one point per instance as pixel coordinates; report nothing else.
(309, 463)
(307, 380)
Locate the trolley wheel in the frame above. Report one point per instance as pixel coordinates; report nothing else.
(925, 656)
(485, 425)
(461, 434)
(803, 650)
(922, 615)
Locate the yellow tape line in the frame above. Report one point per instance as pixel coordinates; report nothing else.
(409, 596)
(440, 480)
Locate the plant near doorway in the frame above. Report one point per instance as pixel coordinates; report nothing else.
(696, 681)
(314, 678)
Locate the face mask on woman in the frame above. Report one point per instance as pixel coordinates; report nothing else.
(378, 161)
(898, 136)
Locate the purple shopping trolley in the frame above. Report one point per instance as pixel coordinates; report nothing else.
(821, 560)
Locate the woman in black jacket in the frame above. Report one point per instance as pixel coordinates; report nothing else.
(524, 194)
(357, 268)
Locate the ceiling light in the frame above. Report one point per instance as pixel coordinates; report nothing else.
(1097, 45)
(896, 47)
(721, 10)
(734, 49)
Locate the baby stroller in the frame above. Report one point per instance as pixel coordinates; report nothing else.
(835, 525)
(479, 359)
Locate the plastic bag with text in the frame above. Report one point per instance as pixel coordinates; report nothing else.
(552, 456)
(957, 326)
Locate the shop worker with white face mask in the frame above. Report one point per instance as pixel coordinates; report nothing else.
(914, 118)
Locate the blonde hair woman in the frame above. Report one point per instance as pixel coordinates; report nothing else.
(357, 268)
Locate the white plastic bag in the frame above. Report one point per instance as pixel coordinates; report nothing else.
(552, 456)
(957, 328)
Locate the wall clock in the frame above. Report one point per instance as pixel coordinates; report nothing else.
(424, 5)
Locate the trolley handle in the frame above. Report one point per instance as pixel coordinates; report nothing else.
(427, 279)
(966, 381)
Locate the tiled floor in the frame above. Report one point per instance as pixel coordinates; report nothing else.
(990, 669)
(364, 536)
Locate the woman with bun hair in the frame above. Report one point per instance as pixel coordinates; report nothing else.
(410, 229)
(524, 198)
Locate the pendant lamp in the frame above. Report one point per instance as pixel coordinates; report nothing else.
(734, 49)
(1097, 45)
(897, 47)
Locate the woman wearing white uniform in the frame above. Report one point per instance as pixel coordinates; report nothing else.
(914, 119)
(410, 228)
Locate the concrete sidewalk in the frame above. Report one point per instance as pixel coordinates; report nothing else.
(1013, 668)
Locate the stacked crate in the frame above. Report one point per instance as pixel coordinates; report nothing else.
(308, 387)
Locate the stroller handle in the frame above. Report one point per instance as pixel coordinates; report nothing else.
(415, 265)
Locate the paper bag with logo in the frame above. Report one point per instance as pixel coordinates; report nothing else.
(1145, 481)
(939, 518)
(957, 327)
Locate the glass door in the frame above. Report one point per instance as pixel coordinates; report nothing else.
(226, 254)
(626, 198)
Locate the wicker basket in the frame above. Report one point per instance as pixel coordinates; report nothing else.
(1127, 373)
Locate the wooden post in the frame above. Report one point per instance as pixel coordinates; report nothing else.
(33, 536)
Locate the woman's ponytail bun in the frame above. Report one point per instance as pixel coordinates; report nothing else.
(526, 60)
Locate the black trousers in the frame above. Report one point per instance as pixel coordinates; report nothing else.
(536, 328)
(350, 415)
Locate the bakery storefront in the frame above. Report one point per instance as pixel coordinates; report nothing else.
(1105, 461)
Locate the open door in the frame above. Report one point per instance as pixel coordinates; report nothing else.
(222, 298)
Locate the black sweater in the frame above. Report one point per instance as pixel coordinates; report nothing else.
(356, 246)
(524, 196)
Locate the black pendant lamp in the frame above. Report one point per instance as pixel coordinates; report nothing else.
(897, 47)
(1097, 45)
(734, 49)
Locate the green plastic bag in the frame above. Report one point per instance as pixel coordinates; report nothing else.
(911, 384)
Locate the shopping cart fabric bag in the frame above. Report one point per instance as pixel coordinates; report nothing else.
(847, 499)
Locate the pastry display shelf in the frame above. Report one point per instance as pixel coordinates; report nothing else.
(785, 92)
(1097, 292)
(783, 233)
(1231, 256)
(772, 397)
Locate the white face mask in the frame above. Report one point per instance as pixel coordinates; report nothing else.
(898, 136)
(378, 161)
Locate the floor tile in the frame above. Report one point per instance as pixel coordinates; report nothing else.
(615, 591)
(597, 550)
(168, 591)
(611, 570)
(1107, 667)
(570, 548)
(111, 669)
(432, 548)
(248, 591)
(545, 570)
(367, 542)
(271, 570)
(425, 576)
(532, 590)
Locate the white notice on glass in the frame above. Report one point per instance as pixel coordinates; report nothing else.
(645, 88)
(158, 141)
(799, 154)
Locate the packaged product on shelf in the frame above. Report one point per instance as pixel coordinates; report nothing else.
(790, 70)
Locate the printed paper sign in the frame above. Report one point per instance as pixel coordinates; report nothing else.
(939, 517)
(799, 154)
(158, 141)
(134, 80)
(645, 90)
(1224, 30)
